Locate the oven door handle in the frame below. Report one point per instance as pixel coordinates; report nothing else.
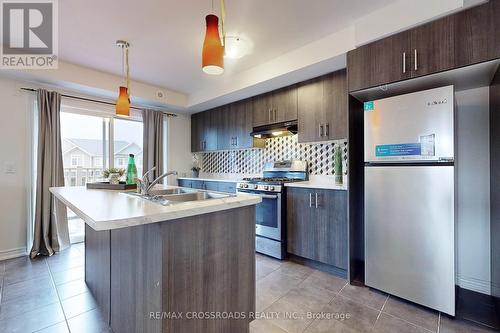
(263, 196)
(266, 196)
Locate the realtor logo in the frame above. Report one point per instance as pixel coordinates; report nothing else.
(29, 34)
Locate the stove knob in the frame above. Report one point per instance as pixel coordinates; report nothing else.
(271, 188)
(266, 187)
(256, 186)
(245, 185)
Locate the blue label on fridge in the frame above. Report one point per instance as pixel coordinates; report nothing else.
(402, 149)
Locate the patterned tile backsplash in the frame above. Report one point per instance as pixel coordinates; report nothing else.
(320, 157)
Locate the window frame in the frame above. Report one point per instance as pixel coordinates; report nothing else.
(108, 125)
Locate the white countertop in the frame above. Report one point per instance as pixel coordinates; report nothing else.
(320, 182)
(106, 210)
(311, 184)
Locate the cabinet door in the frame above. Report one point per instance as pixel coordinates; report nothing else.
(380, 62)
(262, 106)
(210, 119)
(335, 105)
(196, 133)
(199, 184)
(331, 219)
(300, 223)
(185, 183)
(225, 119)
(310, 105)
(284, 106)
(211, 186)
(472, 34)
(432, 47)
(243, 120)
(227, 187)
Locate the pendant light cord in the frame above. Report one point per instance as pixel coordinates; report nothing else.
(128, 70)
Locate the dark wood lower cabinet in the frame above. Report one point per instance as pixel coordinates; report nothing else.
(98, 268)
(192, 266)
(317, 225)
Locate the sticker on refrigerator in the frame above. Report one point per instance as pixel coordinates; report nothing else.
(428, 145)
(369, 106)
(401, 149)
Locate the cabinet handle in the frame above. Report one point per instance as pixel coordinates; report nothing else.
(274, 114)
(236, 141)
(404, 62)
(320, 129)
(416, 60)
(269, 115)
(316, 200)
(327, 129)
(310, 200)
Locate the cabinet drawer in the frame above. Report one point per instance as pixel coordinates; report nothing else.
(185, 183)
(211, 186)
(227, 187)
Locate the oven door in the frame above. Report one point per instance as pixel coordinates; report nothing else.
(267, 214)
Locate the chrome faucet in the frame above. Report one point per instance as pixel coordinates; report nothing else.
(144, 185)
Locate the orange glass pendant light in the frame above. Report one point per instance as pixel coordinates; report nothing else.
(213, 51)
(123, 102)
(122, 107)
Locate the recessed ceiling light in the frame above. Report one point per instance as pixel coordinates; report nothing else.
(235, 47)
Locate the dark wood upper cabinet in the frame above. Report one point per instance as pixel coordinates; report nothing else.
(284, 104)
(204, 131)
(275, 107)
(467, 37)
(322, 108)
(432, 47)
(310, 107)
(476, 34)
(336, 105)
(262, 105)
(384, 61)
(225, 124)
(243, 120)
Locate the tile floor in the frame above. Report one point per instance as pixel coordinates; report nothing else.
(49, 295)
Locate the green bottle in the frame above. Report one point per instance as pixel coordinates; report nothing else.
(131, 170)
(338, 165)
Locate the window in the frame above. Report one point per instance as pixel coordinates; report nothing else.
(87, 150)
(97, 162)
(76, 160)
(128, 140)
(120, 162)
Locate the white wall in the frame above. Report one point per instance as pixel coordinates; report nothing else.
(14, 144)
(473, 202)
(179, 146)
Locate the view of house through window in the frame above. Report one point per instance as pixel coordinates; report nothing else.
(85, 147)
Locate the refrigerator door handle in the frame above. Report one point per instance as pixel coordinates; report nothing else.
(310, 200)
(316, 204)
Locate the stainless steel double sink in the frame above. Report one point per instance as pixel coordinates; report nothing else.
(172, 196)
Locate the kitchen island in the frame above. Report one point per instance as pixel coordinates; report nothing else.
(180, 267)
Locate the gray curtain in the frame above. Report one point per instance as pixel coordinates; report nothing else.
(153, 142)
(51, 221)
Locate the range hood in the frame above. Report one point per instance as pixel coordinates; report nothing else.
(275, 130)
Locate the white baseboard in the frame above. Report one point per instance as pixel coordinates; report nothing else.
(13, 253)
(477, 285)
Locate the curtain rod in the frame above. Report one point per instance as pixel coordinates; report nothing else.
(103, 102)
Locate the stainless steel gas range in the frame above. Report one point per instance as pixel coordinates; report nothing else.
(271, 212)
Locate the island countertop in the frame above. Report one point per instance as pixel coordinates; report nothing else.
(107, 210)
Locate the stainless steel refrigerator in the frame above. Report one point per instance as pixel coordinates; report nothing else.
(409, 197)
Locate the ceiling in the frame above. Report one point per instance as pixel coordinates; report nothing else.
(166, 35)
